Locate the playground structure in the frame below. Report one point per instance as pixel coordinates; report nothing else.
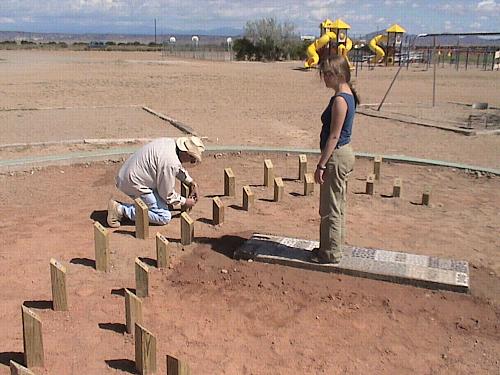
(393, 43)
(333, 37)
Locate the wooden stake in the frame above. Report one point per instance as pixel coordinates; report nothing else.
(176, 367)
(279, 188)
(248, 198)
(141, 219)
(185, 192)
(145, 351)
(268, 172)
(308, 184)
(58, 279)
(141, 278)
(187, 229)
(101, 240)
(369, 184)
(217, 211)
(377, 162)
(161, 251)
(17, 369)
(32, 339)
(229, 184)
(133, 310)
(396, 189)
(302, 166)
(426, 196)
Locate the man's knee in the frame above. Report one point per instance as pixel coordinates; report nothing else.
(161, 218)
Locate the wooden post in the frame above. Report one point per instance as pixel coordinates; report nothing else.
(32, 339)
(176, 367)
(101, 240)
(141, 219)
(248, 198)
(187, 229)
(278, 189)
(229, 184)
(58, 280)
(396, 189)
(17, 369)
(161, 251)
(369, 184)
(302, 166)
(308, 184)
(141, 278)
(426, 196)
(217, 211)
(377, 161)
(268, 172)
(133, 310)
(185, 192)
(145, 351)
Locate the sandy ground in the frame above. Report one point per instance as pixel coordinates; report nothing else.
(256, 318)
(268, 104)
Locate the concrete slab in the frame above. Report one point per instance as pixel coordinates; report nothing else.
(398, 267)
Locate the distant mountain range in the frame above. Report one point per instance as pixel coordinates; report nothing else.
(205, 36)
(217, 36)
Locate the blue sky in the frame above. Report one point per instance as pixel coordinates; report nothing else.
(136, 16)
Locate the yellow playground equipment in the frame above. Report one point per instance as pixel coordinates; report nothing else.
(392, 41)
(334, 37)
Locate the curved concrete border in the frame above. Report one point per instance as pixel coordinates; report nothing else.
(117, 153)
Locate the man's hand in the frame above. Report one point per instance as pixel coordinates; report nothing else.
(190, 202)
(194, 191)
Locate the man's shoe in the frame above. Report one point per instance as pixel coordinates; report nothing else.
(114, 215)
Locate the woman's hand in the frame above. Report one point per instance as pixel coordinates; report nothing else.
(318, 176)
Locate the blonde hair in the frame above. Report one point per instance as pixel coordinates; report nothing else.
(339, 66)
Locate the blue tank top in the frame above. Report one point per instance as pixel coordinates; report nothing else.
(326, 119)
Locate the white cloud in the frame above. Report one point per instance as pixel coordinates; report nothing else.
(488, 6)
(475, 25)
(6, 20)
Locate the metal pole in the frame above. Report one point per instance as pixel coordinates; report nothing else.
(466, 58)
(434, 73)
(155, 31)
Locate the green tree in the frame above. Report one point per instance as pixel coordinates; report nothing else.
(267, 39)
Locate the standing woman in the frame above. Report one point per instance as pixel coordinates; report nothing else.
(337, 158)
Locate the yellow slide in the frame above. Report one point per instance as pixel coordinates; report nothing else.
(377, 49)
(312, 54)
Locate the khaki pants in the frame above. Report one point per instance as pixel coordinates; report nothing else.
(332, 203)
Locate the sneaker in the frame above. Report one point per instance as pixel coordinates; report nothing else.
(320, 257)
(114, 215)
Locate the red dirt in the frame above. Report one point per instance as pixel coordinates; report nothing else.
(256, 318)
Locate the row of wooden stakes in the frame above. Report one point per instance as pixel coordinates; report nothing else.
(145, 341)
(397, 185)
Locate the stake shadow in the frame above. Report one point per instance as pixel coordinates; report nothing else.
(295, 194)
(360, 193)
(290, 179)
(83, 262)
(214, 195)
(236, 207)
(122, 364)
(266, 200)
(6, 357)
(149, 261)
(42, 305)
(416, 203)
(225, 245)
(387, 196)
(121, 291)
(100, 216)
(115, 327)
(205, 220)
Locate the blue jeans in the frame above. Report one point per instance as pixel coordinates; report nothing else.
(158, 211)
